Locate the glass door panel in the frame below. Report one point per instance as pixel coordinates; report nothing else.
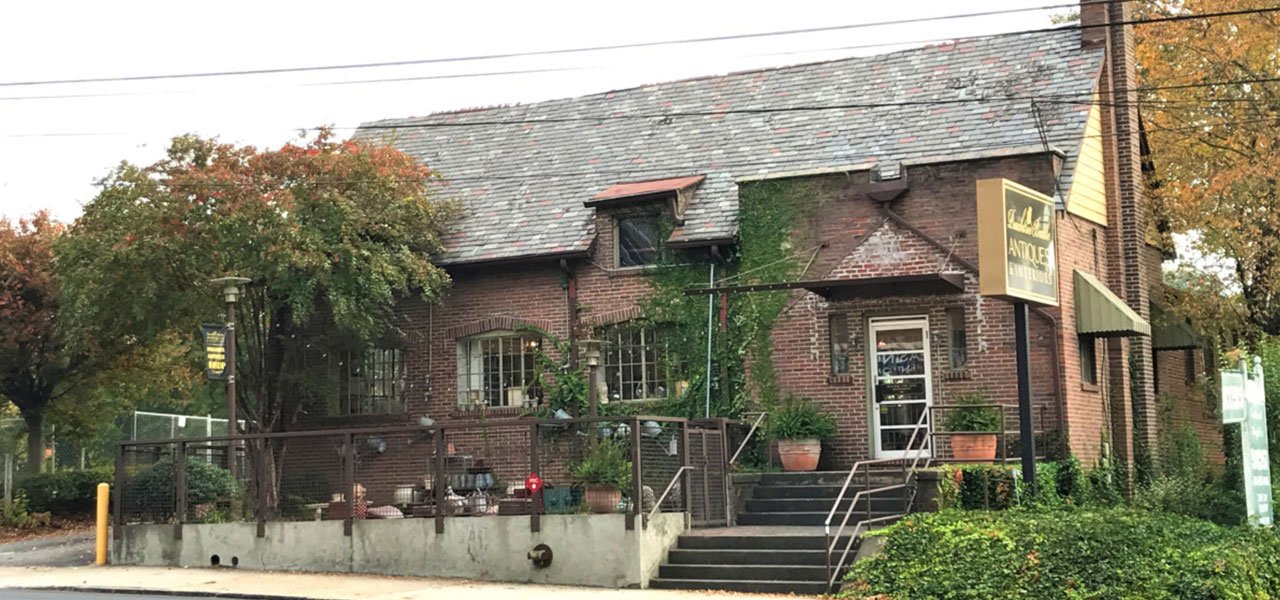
(901, 388)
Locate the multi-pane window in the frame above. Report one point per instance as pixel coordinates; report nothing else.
(371, 382)
(497, 370)
(957, 340)
(1088, 360)
(633, 363)
(838, 328)
(638, 241)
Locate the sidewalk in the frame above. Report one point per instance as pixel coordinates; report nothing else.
(268, 584)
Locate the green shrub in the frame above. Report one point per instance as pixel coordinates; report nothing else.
(15, 513)
(150, 493)
(64, 492)
(971, 415)
(1104, 553)
(1071, 483)
(605, 464)
(800, 419)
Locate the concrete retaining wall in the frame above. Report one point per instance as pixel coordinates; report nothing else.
(594, 550)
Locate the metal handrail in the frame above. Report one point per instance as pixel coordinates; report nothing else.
(657, 505)
(743, 445)
(907, 472)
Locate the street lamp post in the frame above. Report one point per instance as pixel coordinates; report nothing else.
(231, 295)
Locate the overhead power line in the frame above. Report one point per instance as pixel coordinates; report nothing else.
(554, 52)
(592, 67)
(563, 51)
(1081, 98)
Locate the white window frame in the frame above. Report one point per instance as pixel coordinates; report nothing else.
(473, 380)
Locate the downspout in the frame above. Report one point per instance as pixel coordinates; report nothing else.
(571, 306)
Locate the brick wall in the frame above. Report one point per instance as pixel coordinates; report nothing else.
(1183, 401)
(863, 243)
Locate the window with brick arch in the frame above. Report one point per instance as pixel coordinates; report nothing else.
(634, 360)
(497, 369)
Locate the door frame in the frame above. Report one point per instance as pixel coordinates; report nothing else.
(875, 324)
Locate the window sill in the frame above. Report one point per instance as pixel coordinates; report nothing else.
(630, 271)
(1089, 387)
(841, 379)
(488, 412)
(328, 421)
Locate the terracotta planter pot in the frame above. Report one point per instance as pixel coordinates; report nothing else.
(979, 447)
(799, 455)
(603, 498)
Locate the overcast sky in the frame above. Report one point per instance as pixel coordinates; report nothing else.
(56, 140)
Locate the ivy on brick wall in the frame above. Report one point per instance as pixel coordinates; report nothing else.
(770, 248)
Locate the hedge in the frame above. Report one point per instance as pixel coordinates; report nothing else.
(1068, 553)
(64, 492)
(149, 494)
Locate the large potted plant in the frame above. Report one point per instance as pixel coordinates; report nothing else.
(972, 422)
(799, 427)
(605, 471)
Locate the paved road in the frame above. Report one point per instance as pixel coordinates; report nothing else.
(11, 594)
(72, 550)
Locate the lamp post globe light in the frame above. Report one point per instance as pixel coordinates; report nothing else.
(231, 288)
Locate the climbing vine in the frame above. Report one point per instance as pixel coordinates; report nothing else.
(770, 248)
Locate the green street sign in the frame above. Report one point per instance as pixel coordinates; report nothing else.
(1247, 387)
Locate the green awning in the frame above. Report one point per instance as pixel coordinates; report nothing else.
(1168, 332)
(1100, 313)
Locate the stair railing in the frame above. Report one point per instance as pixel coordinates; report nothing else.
(754, 427)
(833, 570)
(657, 505)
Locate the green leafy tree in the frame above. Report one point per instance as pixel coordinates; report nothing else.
(333, 235)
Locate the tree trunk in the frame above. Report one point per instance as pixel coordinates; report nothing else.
(35, 440)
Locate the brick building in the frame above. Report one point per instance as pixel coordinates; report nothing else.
(568, 203)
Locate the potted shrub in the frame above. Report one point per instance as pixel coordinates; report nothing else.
(799, 428)
(605, 471)
(970, 416)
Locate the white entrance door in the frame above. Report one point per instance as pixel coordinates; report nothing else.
(901, 387)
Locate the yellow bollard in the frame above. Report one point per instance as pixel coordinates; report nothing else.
(104, 500)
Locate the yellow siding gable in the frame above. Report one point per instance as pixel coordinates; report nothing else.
(1088, 195)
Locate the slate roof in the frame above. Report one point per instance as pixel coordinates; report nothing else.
(522, 172)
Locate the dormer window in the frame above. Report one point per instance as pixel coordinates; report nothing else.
(638, 210)
(638, 241)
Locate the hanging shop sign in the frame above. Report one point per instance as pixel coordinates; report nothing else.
(1016, 233)
(1249, 384)
(215, 351)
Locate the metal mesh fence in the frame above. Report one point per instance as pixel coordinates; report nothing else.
(467, 469)
(142, 425)
(661, 456)
(145, 476)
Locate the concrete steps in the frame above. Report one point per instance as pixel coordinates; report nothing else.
(779, 546)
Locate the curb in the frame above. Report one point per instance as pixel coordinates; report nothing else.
(159, 592)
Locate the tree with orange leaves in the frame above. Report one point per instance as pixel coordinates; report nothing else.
(1211, 107)
(34, 369)
(332, 234)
